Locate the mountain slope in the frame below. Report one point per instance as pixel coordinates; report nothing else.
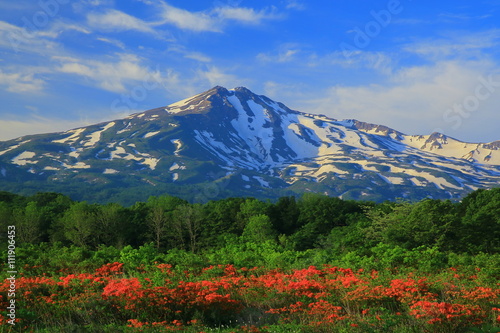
(233, 142)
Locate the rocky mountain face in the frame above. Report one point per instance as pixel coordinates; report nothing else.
(224, 143)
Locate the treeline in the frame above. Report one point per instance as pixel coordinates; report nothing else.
(312, 221)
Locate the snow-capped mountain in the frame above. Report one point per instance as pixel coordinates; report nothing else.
(233, 142)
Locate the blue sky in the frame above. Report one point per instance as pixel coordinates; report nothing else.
(416, 66)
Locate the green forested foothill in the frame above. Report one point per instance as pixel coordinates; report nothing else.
(56, 235)
(314, 226)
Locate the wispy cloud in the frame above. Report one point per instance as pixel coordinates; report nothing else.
(37, 41)
(114, 42)
(186, 20)
(215, 19)
(378, 61)
(115, 20)
(210, 20)
(410, 21)
(114, 76)
(458, 44)
(198, 56)
(21, 83)
(285, 54)
(99, 2)
(19, 39)
(213, 75)
(290, 93)
(246, 15)
(296, 5)
(59, 27)
(464, 16)
(301, 57)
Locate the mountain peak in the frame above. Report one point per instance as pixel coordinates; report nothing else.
(242, 89)
(219, 96)
(223, 90)
(197, 103)
(218, 90)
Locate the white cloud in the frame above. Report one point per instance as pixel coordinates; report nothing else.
(116, 76)
(292, 4)
(186, 20)
(19, 39)
(198, 56)
(410, 21)
(115, 20)
(214, 76)
(60, 27)
(282, 56)
(245, 15)
(302, 58)
(213, 20)
(456, 45)
(99, 3)
(114, 42)
(210, 20)
(464, 17)
(378, 61)
(287, 93)
(36, 41)
(21, 83)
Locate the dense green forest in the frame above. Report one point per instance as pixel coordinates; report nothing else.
(329, 225)
(56, 236)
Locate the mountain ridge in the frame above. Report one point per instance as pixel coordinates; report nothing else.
(252, 145)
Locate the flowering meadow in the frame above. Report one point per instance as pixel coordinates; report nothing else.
(313, 264)
(225, 298)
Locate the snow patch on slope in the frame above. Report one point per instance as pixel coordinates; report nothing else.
(176, 166)
(392, 180)
(13, 147)
(73, 137)
(262, 182)
(150, 134)
(178, 146)
(22, 159)
(151, 162)
(96, 136)
(78, 165)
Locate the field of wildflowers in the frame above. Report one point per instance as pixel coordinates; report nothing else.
(224, 298)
